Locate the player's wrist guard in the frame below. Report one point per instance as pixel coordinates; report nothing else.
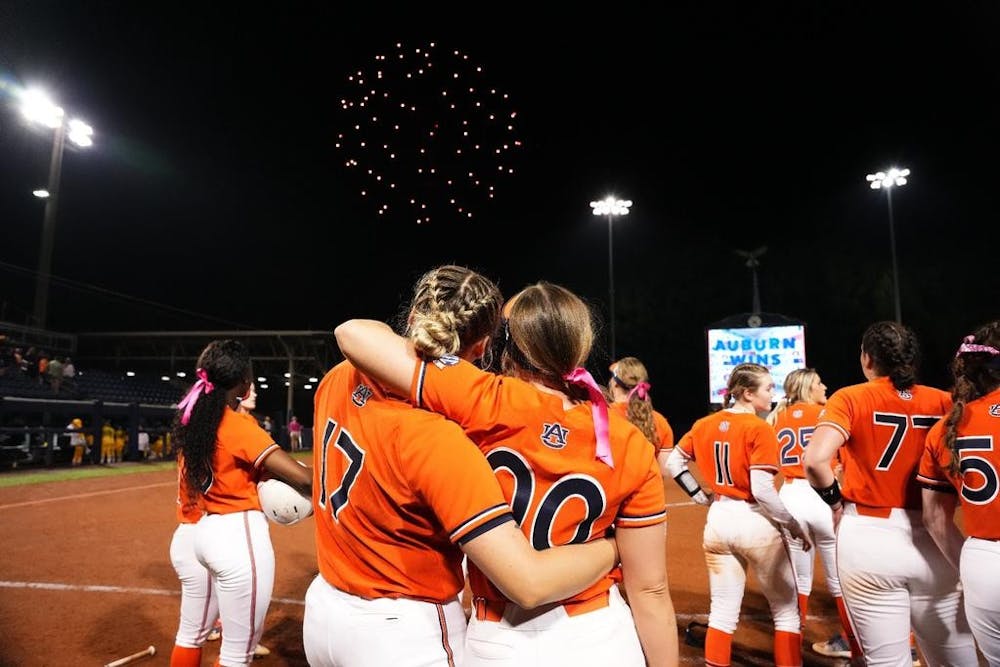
(830, 494)
(686, 481)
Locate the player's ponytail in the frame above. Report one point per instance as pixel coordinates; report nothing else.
(452, 309)
(976, 369)
(631, 375)
(894, 351)
(222, 365)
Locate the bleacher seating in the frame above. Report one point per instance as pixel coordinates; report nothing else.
(107, 386)
(94, 385)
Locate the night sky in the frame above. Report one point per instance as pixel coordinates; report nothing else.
(216, 186)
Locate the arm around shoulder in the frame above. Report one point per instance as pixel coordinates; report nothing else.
(378, 352)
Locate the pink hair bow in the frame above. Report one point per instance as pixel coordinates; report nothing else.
(641, 390)
(599, 410)
(970, 345)
(202, 386)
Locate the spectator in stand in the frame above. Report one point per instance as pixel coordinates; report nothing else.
(295, 434)
(55, 373)
(69, 370)
(29, 362)
(268, 425)
(43, 367)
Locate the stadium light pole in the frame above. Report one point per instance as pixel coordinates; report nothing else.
(887, 180)
(611, 207)
(38, 108)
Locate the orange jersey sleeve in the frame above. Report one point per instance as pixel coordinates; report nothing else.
(885, 430)
(544, 455)
(397, 491)
(726, 446)
(240, 449)
(978, 480)
(794, 428)
(664, 432)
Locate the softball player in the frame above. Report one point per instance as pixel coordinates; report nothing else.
(794, 420)
(400, 494)
(224, 455)
(738, 453)
(629, 389)
(569, 469)
(77, 440)
(891, 572)
(960, 456)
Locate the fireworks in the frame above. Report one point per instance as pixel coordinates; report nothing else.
(427, 135)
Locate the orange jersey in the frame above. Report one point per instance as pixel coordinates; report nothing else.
(240, 448)
(885, 430)
(664, 434)
(397, 491)
(726, 446)
(978, 483)
(794, 427)
(188, 510)
(544, 456)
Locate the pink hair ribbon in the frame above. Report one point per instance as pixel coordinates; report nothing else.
(970, 345)
(641, 390)
(202, 386)
(599, 410)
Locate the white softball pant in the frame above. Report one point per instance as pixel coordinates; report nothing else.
(199, 603)
(549, 636)
(340, 629)
(893, 578)
(980, 567)
(236, 549)
(816, 520)
(737, 536)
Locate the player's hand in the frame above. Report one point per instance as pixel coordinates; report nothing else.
(838, 514)
(795, 530)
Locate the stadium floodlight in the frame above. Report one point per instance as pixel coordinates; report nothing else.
(611, 207)
(38, 108)
(887, 180)
(165, 378)
(314, 380)
(41, 193)
(261, 379)
(181, 374)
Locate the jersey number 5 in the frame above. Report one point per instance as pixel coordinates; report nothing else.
(899, 425)
(987, 491)
(355, 461)
(583, 487)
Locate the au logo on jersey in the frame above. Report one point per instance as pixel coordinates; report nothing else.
(446, 360)
(723, 426)
(905, 394)
(554, 435)
(361, 395)
(995, 410)
(797, 414)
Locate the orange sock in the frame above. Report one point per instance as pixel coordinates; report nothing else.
(803, 606)
(718, 648)
(845, 623)
(182, 656)
(787, 649)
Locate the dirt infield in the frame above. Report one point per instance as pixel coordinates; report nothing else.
(85, 577)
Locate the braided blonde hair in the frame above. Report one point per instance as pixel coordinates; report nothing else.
(453, 308)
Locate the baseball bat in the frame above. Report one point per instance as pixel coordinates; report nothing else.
(132, 658)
